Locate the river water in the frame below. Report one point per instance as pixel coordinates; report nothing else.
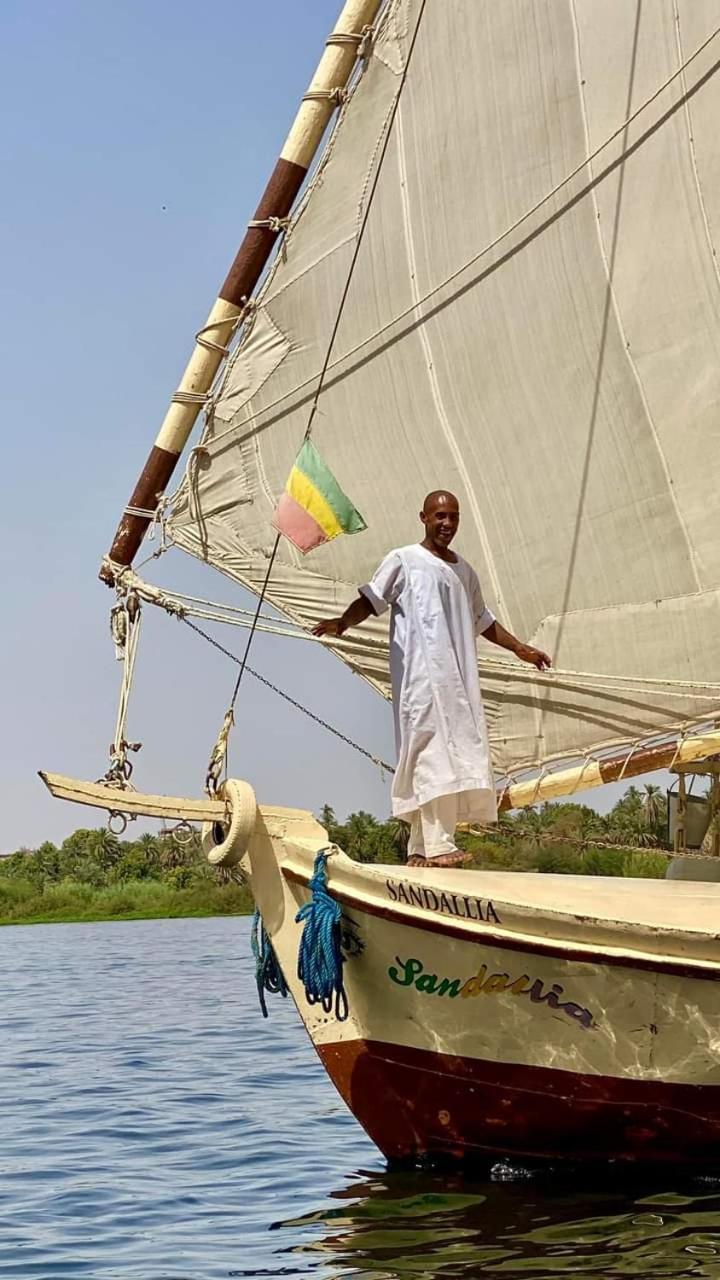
(154, 1127)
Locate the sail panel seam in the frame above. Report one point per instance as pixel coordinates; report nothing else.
(693, 153)
(618, 318)
(413, 310)
(437, 395)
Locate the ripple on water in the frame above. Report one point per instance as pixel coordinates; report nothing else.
(155, 1128)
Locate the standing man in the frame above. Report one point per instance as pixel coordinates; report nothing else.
(444, 773)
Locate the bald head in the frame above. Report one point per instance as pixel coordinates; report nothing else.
(441, 517)
(441, 497)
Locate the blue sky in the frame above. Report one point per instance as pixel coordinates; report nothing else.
(135, 141)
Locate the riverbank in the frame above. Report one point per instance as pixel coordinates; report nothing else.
(73, 903)
(94, 876)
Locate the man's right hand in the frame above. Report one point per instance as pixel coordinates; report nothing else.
(329, 627)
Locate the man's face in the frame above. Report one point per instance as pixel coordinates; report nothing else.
(441, 519)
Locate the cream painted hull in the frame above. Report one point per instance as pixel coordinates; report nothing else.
(536, 1016)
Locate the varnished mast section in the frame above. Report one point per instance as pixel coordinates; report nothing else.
(322, 98)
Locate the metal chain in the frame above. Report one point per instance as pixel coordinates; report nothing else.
(382, 764)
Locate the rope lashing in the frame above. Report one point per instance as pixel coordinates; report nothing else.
(191, 397)
(143, 512)
(268, 974)
(197, 456)
(345, 37)
(218, 755)
(320, 957)
(271, 224)
(158, 520)
(361, 39)
(336, 96)
(210, 344)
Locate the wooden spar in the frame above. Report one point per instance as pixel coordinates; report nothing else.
(597, 773)
(116, 800)
(562, 783)
(333, 73)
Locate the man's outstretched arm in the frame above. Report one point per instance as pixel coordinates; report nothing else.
(355, 613)
(497, 634)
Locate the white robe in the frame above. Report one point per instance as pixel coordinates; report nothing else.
(440, 730)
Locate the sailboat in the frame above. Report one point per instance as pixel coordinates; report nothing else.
(485, 259)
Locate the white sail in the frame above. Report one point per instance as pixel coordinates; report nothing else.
(538, 332)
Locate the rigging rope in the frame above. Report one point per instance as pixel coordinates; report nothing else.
(125, 619)
(180, 603)
(320, 957)
(268, 974)
(213, 774)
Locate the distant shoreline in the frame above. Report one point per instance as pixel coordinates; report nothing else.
(99, 918)
(93, 876)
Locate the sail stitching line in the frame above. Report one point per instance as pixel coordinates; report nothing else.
(221, 744)
(403, 315)
(432, 374)
(693, 153)
(609, 264)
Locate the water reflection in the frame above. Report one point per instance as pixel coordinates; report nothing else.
(418, 1225)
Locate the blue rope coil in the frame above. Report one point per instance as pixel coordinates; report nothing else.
(268, 974)
(320, 958)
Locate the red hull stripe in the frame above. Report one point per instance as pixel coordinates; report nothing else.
(415, 1103)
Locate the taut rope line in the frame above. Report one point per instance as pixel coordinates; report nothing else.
(221, 744)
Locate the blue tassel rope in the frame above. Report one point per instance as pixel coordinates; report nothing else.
(320, 958)
(268, 974)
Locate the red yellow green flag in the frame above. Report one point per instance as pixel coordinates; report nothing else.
(313, 509)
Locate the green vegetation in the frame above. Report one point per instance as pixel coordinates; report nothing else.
(94, 875)
(548, 838)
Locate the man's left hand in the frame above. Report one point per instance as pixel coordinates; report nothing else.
(536, 656)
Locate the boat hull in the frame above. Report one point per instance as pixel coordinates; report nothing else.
(418, 1105)
(541, 1018)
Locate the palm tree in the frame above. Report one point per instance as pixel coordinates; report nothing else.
(105, 846)
(399, 836)
(652, 804)
(361, 835)
(327, 818)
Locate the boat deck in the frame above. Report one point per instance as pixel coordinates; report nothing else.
(687, 906)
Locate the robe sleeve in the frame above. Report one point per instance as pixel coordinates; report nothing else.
(483, 617)
(386, 586)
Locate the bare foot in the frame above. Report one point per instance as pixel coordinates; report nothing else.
(456, 859)
(417, 861)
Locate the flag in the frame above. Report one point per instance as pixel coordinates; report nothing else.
(313, 509)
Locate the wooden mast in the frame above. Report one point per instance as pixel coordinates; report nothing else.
(322, 98)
